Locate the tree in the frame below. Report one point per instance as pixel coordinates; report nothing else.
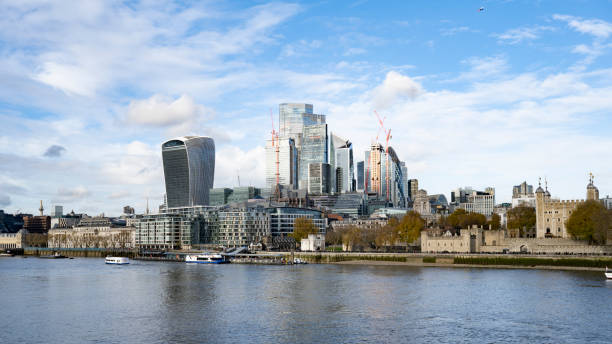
(589, 221)
(495, 222)
(409, 228)
(302, 227)
(521, 217)
(462, 219)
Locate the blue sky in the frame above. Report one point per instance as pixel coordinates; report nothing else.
(520, 90)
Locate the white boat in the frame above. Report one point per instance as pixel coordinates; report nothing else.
(117, 260)
(608, 273)
(205, 258)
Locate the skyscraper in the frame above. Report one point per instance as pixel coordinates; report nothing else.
(344, 160)
(189, 170)
(314, 150)
(318, 178)
(293, 117)
(287, 163)
(360, 176)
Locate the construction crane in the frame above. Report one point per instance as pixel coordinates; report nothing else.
(388, 136)
(381, 122)
(276, 145)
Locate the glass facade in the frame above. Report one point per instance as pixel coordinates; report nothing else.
(219, 196)
(189, 169)
(360, 176)
(282, 219)
(344, 160)
(314, 150)
(288, 163)
(319, 178)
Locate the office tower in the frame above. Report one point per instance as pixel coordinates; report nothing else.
(314, 150)
(344, 160)
(360, 175)
(189, 170)
(318, 178)
(376, 156)
(293, 117)
(405, 180)
(58, 211)
(287, 163)
(413, 189)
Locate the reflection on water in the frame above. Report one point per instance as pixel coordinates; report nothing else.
(84, 300)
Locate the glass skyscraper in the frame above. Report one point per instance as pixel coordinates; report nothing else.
(360, 176)
(314, 150)
(343, 152)
(189, 170)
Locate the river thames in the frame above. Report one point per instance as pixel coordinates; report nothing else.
(84, 300)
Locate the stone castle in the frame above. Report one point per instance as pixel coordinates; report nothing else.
(551, 214)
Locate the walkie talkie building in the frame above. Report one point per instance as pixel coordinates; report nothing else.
(189, 170)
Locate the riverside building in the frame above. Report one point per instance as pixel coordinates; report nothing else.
(189, 168)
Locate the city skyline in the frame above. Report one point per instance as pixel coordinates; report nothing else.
(473, 98)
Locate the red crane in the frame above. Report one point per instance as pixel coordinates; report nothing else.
(276, 145)
(381, 122)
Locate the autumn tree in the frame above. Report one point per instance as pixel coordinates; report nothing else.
(462, 219)
(302, 227)
(521, 217)
(409, 228)
(589, 221)
(495, 222)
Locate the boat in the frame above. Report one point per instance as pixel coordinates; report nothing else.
(299, 261)
(6, 254)
(206, 258)
(608, 273)
(117, 260)
(55, 255)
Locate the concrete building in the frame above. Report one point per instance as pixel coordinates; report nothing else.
(522, 195)
(314, 242)
(421, 203)
(472, 201)
(98, 232)
(12, 240)
(551, 214)
(189, 169)
(607, 202)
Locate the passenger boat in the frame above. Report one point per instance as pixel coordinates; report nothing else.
(608, 273)
(117, 260)
(206, 258)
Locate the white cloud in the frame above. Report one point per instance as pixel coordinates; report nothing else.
(518, 35)
(595, 27)
(160, 111)
(396, 87)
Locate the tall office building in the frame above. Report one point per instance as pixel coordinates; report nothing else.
(189, 170)
(319, 176)
(405, 180)
(360, 176)
(376, 156)
(314, 150)
(344, 160)
(413, 189)
(287, 163)
(293, 117)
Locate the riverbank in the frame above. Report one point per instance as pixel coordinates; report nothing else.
(594, 263)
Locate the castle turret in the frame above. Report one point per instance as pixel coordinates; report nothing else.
(540, 199)
(592, 191)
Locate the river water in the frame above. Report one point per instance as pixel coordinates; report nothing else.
(84, 300)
